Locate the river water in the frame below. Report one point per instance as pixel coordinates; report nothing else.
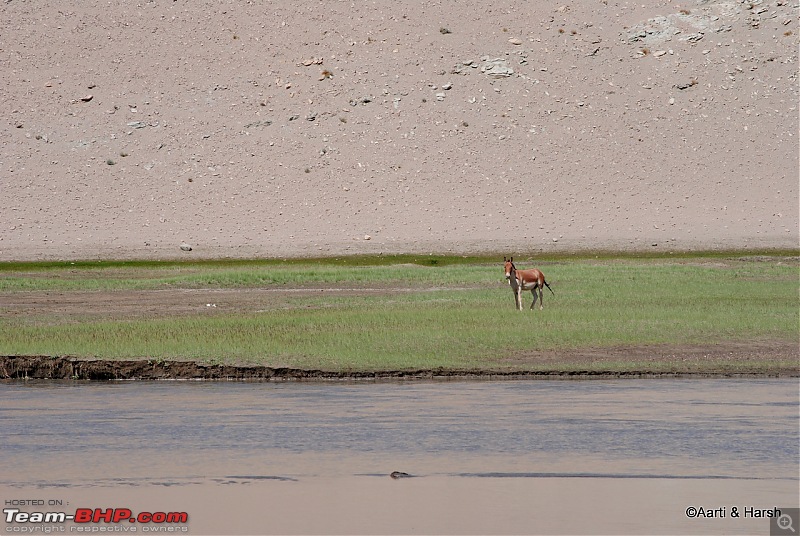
(485, 457)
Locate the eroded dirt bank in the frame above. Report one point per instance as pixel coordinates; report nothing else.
(70, 368)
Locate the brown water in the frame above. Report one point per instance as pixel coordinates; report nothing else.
(513, 457)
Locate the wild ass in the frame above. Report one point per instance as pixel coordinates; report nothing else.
(520, 280)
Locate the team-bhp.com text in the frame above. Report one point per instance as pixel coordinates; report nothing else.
(88, 520)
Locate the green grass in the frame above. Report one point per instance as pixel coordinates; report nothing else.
(223, 275)
(455, 315)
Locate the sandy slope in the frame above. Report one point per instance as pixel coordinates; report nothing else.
(302, 128)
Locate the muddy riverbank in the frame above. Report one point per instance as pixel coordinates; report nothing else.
(72, 368)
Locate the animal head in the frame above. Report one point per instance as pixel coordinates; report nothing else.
(509, 268)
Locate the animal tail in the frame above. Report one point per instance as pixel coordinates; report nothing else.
(548, 288)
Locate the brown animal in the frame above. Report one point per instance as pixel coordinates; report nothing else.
(520, 280)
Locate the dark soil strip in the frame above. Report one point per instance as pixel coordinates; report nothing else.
(70, 368)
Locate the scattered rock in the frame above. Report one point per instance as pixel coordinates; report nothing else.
(87, 98)
(496, 68)
(693, 38)
(262, 123)
(515, 41)
(399, 474)
(655, 30)
(185, 247)
(362, 100)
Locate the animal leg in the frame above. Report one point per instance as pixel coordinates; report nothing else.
(518, 297)
(541, 299)
(534, 298)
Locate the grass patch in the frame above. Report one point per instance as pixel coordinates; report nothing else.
(194, 276)
(450, 314)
